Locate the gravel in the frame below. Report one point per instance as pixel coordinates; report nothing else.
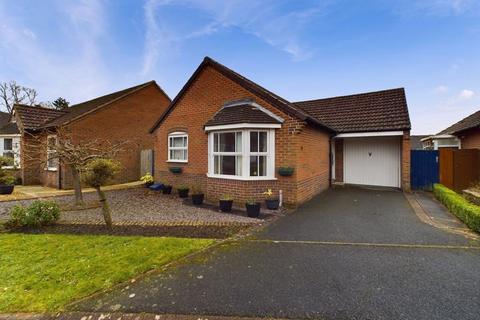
(142, 205)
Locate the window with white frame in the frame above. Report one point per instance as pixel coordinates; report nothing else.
(178, 147)
(8, 148)
(247, 154)
(52, 159)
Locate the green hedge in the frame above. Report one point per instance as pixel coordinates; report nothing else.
(459, 206)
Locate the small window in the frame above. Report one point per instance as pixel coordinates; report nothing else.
(52, 159)
(178, 147)
(8, 148)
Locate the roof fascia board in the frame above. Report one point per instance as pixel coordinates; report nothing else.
(243, 126)
(370, 134)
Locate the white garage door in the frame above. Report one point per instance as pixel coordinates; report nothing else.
(372, 161)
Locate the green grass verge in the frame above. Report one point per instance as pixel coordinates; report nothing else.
(41, 273)
(466, 211)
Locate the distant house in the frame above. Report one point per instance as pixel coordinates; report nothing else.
(124, 115)
(466, 131)
(416, 142)
(230, 136)
(441, 140)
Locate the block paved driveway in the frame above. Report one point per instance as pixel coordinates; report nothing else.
(347, 254)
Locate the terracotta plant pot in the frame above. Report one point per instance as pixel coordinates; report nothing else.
(6, 188)
(272, 204)
(167, 190)
(197, 199)
(225, 205)
(253, 209)
(183, 193)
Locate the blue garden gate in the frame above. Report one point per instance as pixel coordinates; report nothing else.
(423, 169)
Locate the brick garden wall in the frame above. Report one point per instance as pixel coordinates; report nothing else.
(207, 94)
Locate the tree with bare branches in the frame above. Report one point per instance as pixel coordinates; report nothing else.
(53, 148)
(12, 93)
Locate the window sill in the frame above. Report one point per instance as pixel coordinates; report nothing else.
(177, 161)
(51, 169)
(241, 178)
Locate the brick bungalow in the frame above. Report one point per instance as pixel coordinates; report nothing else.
(467, 131)
(231, 136)
(124, 115)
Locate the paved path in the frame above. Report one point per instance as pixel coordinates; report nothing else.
(348, 254)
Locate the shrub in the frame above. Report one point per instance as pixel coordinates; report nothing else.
(39, 213)
(459, 206)
(6, 177)
(147, 178)
(183, 187)
(98, 172)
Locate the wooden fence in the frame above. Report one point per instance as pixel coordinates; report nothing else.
(146, 162)
(459, 169)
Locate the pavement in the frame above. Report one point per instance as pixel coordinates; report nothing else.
(349, 253)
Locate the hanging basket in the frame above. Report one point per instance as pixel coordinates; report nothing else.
(285, 171)
(175, 170)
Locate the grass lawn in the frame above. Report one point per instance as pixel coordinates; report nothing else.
(45, 272)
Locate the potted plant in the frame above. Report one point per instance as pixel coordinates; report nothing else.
(183, 191)
(197, 195)
(175, 169)
(285, 171)
(167, 188)
(253, 208)
(147, 179)
(7, 180)
(271, 201)
(225, 203)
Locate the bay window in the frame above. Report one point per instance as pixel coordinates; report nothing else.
(242, 154)
(178, 147)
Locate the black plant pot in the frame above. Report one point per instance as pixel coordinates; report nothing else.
(167, 189)
(253, 209)
(6, 188)
(272, 204)
(197, 199)
(225, 205)
(183, 193)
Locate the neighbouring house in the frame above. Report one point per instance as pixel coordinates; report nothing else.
(441, 140)
(230, 136)
(10, 141)
(416, 141)
(124, 115)
(466, 131)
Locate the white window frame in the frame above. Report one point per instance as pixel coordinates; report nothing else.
(170, 148)
(15, 149)
(245, 153)
(49, 151)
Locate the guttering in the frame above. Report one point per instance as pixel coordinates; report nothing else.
(244, 125)
(370, 134)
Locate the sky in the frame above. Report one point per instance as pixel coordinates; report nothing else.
(299, 49)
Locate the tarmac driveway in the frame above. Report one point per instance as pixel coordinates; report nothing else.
(348, 254)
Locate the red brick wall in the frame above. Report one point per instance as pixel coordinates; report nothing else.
(405, 170)
(470, 139)
(206, 96)
(129, 119)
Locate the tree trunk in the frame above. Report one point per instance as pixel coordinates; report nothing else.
(77, 186)
(107, 213)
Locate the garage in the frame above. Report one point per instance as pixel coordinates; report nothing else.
(372, 161)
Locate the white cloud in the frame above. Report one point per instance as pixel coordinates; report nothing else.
(466, 94)
(441, 89)
(49, 70)
(263, 19)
